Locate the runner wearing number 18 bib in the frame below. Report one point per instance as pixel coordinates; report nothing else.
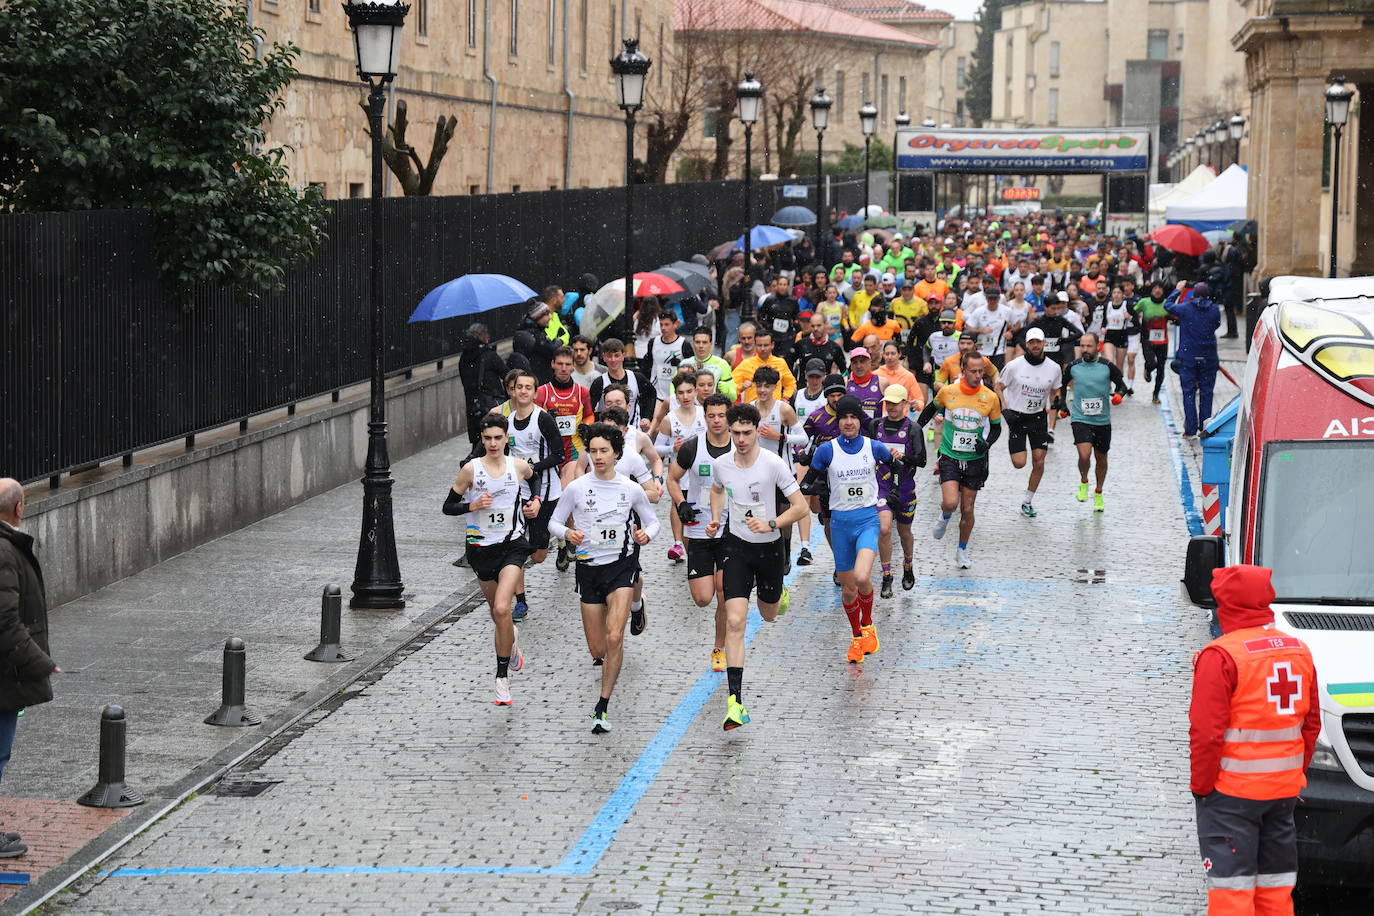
(850, 464)
(973, 421)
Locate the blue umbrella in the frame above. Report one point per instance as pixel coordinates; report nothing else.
(765, 237)
(794, 216)
(853, 221)
(471, 294)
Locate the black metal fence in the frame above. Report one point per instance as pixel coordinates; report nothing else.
(100, 360)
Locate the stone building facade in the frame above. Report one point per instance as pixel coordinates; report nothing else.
(531, 75)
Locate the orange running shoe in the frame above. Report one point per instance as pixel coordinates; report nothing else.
(856, 651)
(870, 639)
(717, 659)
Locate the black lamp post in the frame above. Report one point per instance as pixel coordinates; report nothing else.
(376, 26)
(748, 100)
(1214, 136)
(1338, 97)
(902, 120)
(1237, 128)
(630, 68)
(868, 121)
(820, 117)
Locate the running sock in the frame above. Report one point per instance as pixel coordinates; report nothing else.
(601, 705)
(520, 598)
(852, 612)
(887, 569)
(1098, 491)
(865, 609)
(637, 605)
(963, 545)
(947, 515)
(1030, 495)
(806, 545)
(735, 676)
(502, 665)
(906, 564)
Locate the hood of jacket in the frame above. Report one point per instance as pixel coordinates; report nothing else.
(469, 344)
(1243, 594)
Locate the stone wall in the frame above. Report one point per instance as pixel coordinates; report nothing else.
(93, 535)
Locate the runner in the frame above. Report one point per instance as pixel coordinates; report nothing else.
(683, 422)
(943, 344)
(639, 392)
(897, 483)
(1061, 336)
(488, 491)
(584, 370)
(568, 401)
(779, 432)
(666, 353)
(891, 372)
(1118, 327)
(636, 442)
(863, 383)
(949, 370)
(535, 438)
(763, 356)
(820, 427)
(1090, 410)
(990, 322)
(805, 402)
(611, 519)
(850, 465)
(703, 359)
(746, 478)
(1028, 386)
(745, 346)
(705, 553)
(1155, 335)
(972, 422)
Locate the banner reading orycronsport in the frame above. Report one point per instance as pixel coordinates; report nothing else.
(1011, 151)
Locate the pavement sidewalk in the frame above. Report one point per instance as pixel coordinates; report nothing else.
(153, 643)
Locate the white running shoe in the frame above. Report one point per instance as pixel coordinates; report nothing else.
(517, 658)
(961, 558)
(601, 723)
(941, 523)
(503, 691)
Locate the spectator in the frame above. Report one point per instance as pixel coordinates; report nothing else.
(532, 341)
(481, 370)
(1198, 317)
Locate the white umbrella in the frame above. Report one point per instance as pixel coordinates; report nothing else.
(608, 303)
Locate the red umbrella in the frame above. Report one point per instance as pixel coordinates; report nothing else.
(651, 284)
(1180, 238)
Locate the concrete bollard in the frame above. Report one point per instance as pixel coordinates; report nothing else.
(110, 790)
(331, 609)
(231, 712)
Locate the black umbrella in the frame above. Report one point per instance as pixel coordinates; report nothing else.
(1244, 227)
(691, 281)
(691, 267)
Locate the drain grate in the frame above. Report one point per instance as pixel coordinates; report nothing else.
(1090, 576)
(244, 788)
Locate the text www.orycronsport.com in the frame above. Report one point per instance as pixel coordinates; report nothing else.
(973, 162)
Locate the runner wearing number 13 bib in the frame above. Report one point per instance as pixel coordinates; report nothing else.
(850, 463)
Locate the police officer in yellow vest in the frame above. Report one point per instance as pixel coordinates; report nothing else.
(1254, 722)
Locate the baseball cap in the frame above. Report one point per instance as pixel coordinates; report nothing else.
(815, 367)
(908, 284)
(949, 241)
(1034, 334)
(889, 278)
(894, 393)
(1063, 296)
(833, 382)
(948, 315)
(850, 406)
(859, 353)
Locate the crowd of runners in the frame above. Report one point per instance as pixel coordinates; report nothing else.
(813, 416)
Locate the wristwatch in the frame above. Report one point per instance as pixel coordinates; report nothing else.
(772, 525)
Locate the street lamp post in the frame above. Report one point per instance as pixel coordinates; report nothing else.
(748, 98)
(902, 120)
(630, 68)
(868, 121)
(1338, 97)
(1236, 126)
(820, 117)
(1214, 136)
(377, 583)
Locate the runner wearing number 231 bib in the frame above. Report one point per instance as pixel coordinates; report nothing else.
(850, 464)
(973, 421)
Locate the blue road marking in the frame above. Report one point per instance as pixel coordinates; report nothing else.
(1185, 483)
(584, 854)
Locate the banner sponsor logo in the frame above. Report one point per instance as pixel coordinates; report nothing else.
(977, 150)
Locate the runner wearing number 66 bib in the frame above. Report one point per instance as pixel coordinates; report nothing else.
(973, 421)
(850, 465)
(1090, 409)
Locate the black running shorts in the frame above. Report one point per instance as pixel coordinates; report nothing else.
(1026, 426)
(595, 583)
(970, 475)
(487, 562)
(1100, 435)
(537, 528)
(704, 556)
(751, 567)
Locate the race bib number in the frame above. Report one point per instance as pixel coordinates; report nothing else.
(666, 372)
(1156, 335)
(965, 441)
(1034, 405)
(606, 538)
(567, 424)
(494, 521)
(855, 495)
(1090, 407)
(1051, 344)
(781, 325)
(741, 512)
(1116, 322)
(834, 320)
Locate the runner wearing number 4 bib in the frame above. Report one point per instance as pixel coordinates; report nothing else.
(488, 491)
(850, 465)
(1090, 409)
(606, 517)
(972, 415)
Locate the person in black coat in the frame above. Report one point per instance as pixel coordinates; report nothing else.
(25, 675)
(532, 341)
(482, 371)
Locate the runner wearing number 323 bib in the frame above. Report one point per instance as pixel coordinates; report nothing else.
(973, 421)
(1092, 381)
(850, 463)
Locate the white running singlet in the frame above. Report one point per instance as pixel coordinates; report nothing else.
(1028, 387)
(853, 478)
(752, 492)
(502, 520)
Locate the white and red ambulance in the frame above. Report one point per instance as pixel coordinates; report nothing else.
(1302, 503)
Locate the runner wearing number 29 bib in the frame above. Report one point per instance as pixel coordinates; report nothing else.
(973, 421)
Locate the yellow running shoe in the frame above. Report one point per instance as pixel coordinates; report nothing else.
(1083, 492)
(856, 651)
(869, 639)
(1097, 502)
(785, 602)
(735, 713)
(717, 659)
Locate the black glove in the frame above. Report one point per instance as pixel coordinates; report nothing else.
(982, 448)
(687, 513)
